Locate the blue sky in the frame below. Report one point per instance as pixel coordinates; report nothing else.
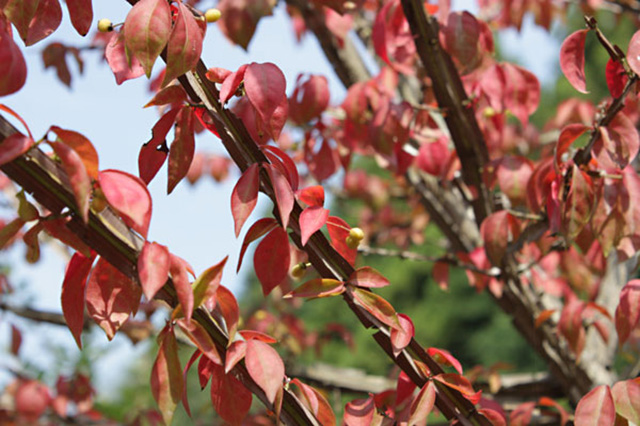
(195, 222)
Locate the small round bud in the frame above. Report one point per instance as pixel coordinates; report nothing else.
(298, 270)
(356, 234)
(212, 15)
(105, 25)
(352, 243)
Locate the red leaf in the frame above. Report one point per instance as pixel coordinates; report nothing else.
(81, 14)
(311, 195)
(13, 147)
(13, 68)
(73, 287)
(459, 383)
(153, 268)
(129, 196)
(265, 86)
(15, 114)
(199, 336)
(572, 59)
(46, 20)
(318, 287)
(441, 274)
(256, 231)
(620, 139)
(271, 259)
(184, 46)
(359, 412)
(178, 270)
(422, 405)
(110, 296)
(166, 376)
(154, 153)
(626, 395)
(265, 367)
(230, 398)
(444, 357)
(567, 136)
(400, 339)
(284, 163)
(182, 149)
(257, 335)
(616, 77)
(146, 31)
(377, 306)
(570, 325)
(204, 117)
(316, 403)
(627, 315)
(633, 53)
(309, 99)
(245, 196)
(240, 18)
(78, 177)
(82, 146)
(497, 230)
(228, 305)
(338, 232)
(122, 68)
(367, 277)
(283, 193)
(235, 353)
(57, 228)
(21, 13)
(170, 95)
(596, 408)
(311, 220)
(185, 398)
(231, 84)
(433, 157)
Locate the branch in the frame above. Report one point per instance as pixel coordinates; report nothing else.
(38, 316)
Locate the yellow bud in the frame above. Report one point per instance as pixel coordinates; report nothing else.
(212, 15)
(104, 25)
(356, 234)
(352, 243)
(298, 270)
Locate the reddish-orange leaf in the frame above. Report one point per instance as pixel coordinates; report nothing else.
(459, 383)
(73, 286)
(444, 357)
(78, 177)
(185, 44)
(245, 196)
(170, 95)
(318, 287)
(265, 367)
(311, 195)
(572, 59)
(367, 277)
(441, 274)
(81, 14)
(13, 147)
(422, 405)
(283, 193)
(271, 259)
(377, 306)
(82, 146)
(626, 395)
(256, 231)
(166, 376)
(543, 317)
(317, 403)
(235, 353)
(153, 268)
(256, 335)
(311, 220)
(596, 408)
(182, 149)
(338, 232)
(111, 296)
(204, 371)
(129, 196)
(627, 315)
(180, 277)
(401, 338)
(199, 336)
(146, 31)
(548, 402)
(230, 398)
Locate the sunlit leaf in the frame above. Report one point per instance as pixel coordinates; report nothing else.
(596, 408)
(572, 59)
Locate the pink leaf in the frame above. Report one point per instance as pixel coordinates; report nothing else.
(368, 277)
(184, 46)
(271, 259)
(129, 196)
(73, 287)
(400, 339)
(567, 136)
(359, 412)
(377, 306)
(235, 353)
(423, 404)
(231, 83)
(166, 376)
(596, 408)
(146, 31)
(616, 77)
(119, 62)
(199, 336)
(81, 14)
(497, 230)
(317, 403)
(309, 99)
(633, 52)
(311, 220)
(153, 268)
(461, 384)
(245, 196)
(572, 59)
(178, 270)
(626, 395)
(444, 357)
(78, 177)
(283, 193)
(570, 325)
(265, 367)
(627, 315)
(265, 86)
(621, 140)
(110, 296)
(13, 147)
